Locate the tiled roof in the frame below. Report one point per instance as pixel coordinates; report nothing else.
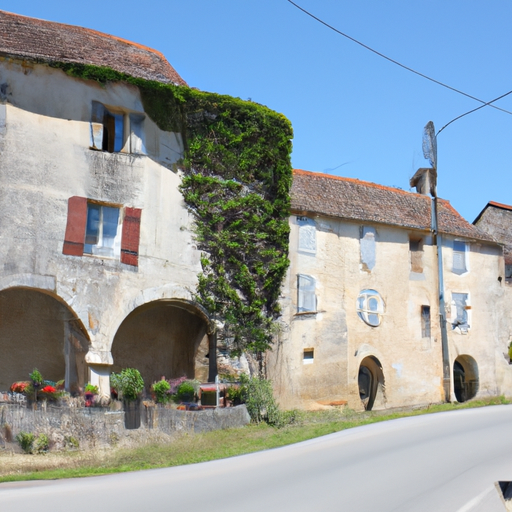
(357, 200)
(31, 38)
(496, 219)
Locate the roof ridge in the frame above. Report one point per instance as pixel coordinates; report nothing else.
(91, 30)
(500, 205)
(361, 182)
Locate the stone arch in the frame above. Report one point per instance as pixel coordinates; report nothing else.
(371, 383)
(165, 337)
(38, 329)
(465, 378)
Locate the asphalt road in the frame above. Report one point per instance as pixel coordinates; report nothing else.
(433, 463)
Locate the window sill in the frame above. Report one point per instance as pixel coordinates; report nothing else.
(306, 313)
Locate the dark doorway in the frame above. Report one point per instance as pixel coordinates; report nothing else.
(465, 378)
(371, 382)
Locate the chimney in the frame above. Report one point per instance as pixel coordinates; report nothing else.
(425, 181)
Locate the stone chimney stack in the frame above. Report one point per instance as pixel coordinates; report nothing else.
(425, 181)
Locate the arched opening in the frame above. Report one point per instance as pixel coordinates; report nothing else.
(371, 383)
(38, 330)
(465, 378)
(163, 338)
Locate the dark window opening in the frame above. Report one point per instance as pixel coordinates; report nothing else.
(113, 132)
(425, 321)
(309, 355)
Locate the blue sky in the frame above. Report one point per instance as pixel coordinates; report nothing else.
(354, 114)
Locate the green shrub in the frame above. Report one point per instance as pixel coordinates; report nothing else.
(161, 391)
(128, 383)
(26, 441)
(36, 377)
(258, 396)
(186, 392)
(41, 444)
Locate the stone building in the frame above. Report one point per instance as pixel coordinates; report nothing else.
(496, 220)
(97, 257)
(361, 302)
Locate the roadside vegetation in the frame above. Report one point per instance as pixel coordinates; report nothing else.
(294, 426)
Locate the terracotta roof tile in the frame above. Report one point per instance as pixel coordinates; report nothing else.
(357, 200)
(31, 38)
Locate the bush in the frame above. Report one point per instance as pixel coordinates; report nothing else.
(41, 444)
(258, 396)
(161, 391)
(128, 383)
(26, 441)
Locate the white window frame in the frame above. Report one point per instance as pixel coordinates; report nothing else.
(105, 247)
(306, 294)
(370, 307)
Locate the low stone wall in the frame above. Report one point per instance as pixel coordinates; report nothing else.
(69, 427)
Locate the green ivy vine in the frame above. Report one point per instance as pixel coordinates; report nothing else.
(236, 179)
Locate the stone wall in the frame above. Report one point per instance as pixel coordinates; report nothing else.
(86, 428)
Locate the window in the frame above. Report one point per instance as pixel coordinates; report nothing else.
(102, 230)
(459, 257)
(460, 312)
(308, 356)
(114, 131)
(416, 254)
(425, 321)
(368, 235)
(370, 307)
(306, 298)
(307, 235)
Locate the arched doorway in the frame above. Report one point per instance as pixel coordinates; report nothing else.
(465, 378)
(163, 338)
(38, 330)
(371, 383)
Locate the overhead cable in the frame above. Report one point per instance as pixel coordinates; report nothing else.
(484, 103)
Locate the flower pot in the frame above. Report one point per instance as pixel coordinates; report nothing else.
(131, 414)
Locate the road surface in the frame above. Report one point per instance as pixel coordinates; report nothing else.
(444, 462)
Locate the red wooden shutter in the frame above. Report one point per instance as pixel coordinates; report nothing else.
(131, 235)
(75, 228)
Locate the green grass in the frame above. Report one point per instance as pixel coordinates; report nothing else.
(193, 448)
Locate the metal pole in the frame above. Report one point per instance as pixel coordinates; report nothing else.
(442, 304)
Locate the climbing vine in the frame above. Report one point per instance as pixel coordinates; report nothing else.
(236, 180)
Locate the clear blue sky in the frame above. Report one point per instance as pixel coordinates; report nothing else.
(354, 114)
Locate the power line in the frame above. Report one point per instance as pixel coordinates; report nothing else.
(484, 103)
(474, 110)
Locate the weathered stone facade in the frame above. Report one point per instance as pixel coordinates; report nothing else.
(68, 174)
(360, 308)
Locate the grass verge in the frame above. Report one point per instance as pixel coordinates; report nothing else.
(193, 448)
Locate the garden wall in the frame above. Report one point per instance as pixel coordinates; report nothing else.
(86, 428)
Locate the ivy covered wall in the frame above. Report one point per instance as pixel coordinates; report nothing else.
(236, 179)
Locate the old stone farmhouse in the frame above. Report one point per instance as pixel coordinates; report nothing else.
(97, 257)
(98, 261)
(361, 309)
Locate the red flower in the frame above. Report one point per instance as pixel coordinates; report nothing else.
(19, 387)
(48, 389)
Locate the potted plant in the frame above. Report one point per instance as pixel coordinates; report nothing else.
(160, 391)
(185, 392)
(90, 393)
(129, 385)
